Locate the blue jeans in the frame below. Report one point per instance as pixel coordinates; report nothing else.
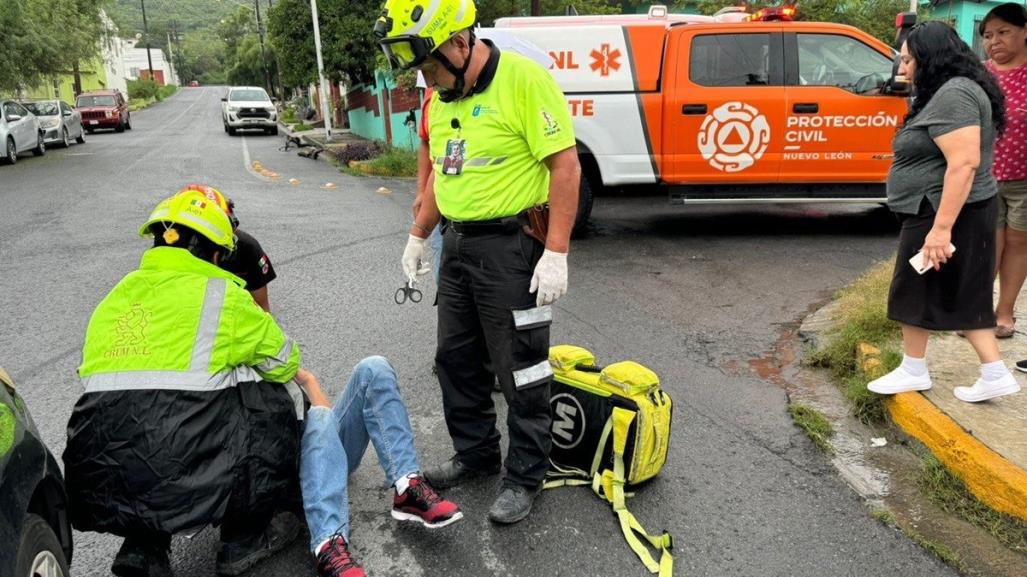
(334, 441)
(435, 244)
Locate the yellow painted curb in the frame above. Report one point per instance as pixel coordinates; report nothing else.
(991, 478)
(994, 480)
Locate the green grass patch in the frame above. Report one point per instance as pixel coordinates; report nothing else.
(948, 492)
(140, 103)
(813, 422)
(166, 91)
(885, 517)
(289, 116)
(943, 552)
(302, 127)
(862, 317)
(392, 162)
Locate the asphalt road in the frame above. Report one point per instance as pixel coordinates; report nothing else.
(695, 293)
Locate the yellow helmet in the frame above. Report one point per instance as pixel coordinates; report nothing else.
(193, 210)
(409, 30)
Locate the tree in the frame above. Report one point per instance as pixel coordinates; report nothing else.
(28, 52)
(876, 17)
(490, 10)
(201, 56)
(290, 33)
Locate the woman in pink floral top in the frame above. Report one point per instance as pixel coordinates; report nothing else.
(1004, 31)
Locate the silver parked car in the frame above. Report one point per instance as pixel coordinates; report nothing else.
(19, 131)
(58, 121)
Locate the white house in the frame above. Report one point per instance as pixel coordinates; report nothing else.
(137, 66)
(113, 52)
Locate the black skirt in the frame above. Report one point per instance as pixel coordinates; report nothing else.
(959, 296)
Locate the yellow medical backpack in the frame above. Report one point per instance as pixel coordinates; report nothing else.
(611, 429)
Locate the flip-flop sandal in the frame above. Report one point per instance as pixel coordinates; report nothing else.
(1004, 332)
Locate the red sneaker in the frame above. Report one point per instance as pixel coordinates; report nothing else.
(421, 503)
(334, 560)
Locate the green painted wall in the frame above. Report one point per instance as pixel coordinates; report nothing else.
(93, 76)
(964, 15)
(366, 124)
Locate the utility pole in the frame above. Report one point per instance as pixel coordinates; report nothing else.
(278, 67)
(171, 60)
(263, 55)
(146, 33)
(321, 72)
(536, 7)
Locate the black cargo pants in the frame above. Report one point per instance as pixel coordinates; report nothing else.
(484, 278)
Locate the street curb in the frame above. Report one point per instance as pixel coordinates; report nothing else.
(989, 476)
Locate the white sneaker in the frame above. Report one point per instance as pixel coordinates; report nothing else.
(984, 390)
(899, 381)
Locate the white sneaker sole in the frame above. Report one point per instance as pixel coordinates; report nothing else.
(1007, 390)
(912, 388)
(401, 516)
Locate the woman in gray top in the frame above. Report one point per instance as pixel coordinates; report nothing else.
(941, 188)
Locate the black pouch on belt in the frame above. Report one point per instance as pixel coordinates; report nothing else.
(535, 222)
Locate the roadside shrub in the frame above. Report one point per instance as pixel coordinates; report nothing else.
(142, 89)
(166, 91)
(394, 162)
(357, 151)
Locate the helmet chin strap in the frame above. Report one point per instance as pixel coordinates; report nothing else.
(457, 92)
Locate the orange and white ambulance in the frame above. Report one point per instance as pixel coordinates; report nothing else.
(728, 108)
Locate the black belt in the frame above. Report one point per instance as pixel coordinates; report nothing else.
(505, 225)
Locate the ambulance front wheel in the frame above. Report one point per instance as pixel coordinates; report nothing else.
(585, 199)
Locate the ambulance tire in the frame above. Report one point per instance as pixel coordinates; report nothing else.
(585, 200)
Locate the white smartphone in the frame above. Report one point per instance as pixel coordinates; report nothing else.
(918, 264)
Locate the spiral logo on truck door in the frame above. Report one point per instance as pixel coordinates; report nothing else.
(734, 136)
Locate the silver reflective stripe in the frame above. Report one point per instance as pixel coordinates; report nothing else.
(533, 317)
(278, 360)
(210, 315)
(202, 223)
(196, 377)
(533, 374)
(296, 394)
(168, 380)
(479, 161)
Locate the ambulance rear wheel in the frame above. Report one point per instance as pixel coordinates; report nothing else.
(585, 199)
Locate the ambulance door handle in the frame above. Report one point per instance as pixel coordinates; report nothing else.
(806, 108)
(689, 109)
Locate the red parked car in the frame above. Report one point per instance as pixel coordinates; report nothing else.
(104, 109)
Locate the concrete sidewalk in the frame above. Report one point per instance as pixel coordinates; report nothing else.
(341, 137)
(985, 444)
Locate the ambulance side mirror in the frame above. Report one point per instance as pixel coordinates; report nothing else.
(897, 85)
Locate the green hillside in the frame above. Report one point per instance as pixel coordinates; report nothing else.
(160, 14)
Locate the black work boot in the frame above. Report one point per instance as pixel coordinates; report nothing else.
(238, 557)
(143, 558)
(454, 472)
(513, 504)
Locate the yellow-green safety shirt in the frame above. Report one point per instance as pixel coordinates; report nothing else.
(182, 323)
(508, 130)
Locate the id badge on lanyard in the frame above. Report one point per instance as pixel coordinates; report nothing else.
(453, 162)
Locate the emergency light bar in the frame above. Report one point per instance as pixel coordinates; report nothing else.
(779, 13)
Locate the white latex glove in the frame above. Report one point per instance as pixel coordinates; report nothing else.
(550, 278)
(414, 263)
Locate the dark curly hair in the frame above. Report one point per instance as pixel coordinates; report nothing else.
(940, 56)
